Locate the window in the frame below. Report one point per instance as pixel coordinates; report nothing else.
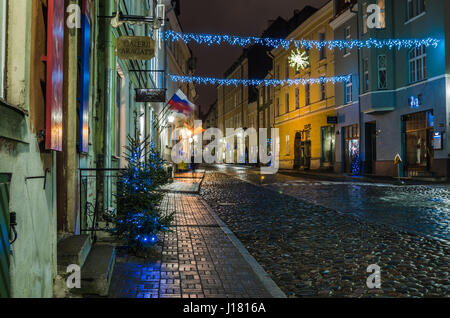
(366, 75)
(278, 107)
(365, 27)
(382, 73)
(322, 54)
(307, 94)
(287, 103)
(349, 91)
(287, 145)
(286, 71)
(297, 98)
(414, 8)
(348, 37)
(261, 96)
(382, 6)
(277, 71)
(2, 47)
(323, 91)
(417, 64)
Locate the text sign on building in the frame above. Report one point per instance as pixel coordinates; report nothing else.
(85, 78)
(150, 95)
(54, 85)
(332, 120)
(135, 48)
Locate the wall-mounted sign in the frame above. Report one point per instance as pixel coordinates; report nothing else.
(150, 95)
(332, 120)
(415, 101)
(54, 85)
(85, 77)
(437, 141)
(135, 48)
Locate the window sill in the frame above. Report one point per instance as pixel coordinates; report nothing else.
(17, 109)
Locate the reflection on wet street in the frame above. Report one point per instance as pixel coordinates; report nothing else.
(420, 209)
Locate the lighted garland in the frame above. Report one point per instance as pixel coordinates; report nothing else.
(244, 41)
(257, 82)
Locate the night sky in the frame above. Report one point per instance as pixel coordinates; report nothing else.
(238, 17)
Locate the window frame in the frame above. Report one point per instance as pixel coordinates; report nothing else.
(297, 98)
(348, 97)
(366, 75)
(414, 9)
(307, 94)
(348, 37)
(286, 100)
(415, 61)
(382, 69)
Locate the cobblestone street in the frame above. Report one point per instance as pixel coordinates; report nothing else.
(322, 249)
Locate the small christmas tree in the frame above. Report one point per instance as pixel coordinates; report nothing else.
(139, 218)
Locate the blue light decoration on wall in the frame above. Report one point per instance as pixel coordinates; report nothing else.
(85, 77)
(199, 80)
(244, 41)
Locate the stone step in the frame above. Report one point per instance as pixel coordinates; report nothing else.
(73, 250)
(97, 271)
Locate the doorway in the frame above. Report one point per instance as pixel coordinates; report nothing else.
(351, 149)
(419, 153)
(302, 150)
(371, 147)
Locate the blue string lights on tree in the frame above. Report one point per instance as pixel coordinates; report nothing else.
(244, 41)
(199, 80)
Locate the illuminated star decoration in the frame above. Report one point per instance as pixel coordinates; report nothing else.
(298, 60)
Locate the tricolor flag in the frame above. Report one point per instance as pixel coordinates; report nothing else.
(180, 103)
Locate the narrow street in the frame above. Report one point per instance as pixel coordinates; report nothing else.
(312, 247)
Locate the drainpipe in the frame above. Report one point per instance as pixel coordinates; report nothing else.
(359, 87)
(108, 101)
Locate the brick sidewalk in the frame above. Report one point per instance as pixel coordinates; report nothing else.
(199, 260)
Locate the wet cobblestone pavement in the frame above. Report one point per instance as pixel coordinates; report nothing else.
(197, 260)
(311, 250)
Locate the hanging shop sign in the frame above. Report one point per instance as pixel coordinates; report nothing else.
(150, 95)
(135, 48)
(85, 78)
(54, 85)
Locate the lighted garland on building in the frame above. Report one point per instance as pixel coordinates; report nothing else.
(245, 41)
(199, 80)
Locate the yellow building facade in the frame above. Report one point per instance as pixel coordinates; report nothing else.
(302, 113)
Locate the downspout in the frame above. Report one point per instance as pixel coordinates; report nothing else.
(359, 89)
(108, 102)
